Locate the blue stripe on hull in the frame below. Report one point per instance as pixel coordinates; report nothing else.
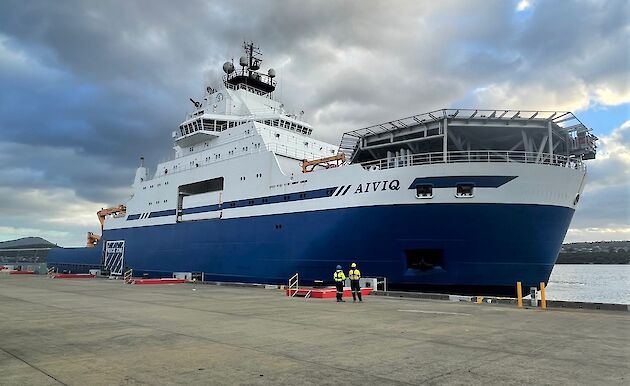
(485, 247)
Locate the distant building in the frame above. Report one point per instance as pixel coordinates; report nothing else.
(25, 250)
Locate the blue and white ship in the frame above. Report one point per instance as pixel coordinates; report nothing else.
(454, 200)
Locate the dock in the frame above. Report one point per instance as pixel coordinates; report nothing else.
(104, 332)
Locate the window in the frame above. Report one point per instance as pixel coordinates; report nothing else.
(424, 191)
(465, 190)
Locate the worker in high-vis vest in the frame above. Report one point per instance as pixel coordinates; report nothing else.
(354, 274)
(340, 278)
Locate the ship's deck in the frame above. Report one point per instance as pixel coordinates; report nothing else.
(102, 332)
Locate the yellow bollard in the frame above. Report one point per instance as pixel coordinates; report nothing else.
(519, 295)
(543, 299)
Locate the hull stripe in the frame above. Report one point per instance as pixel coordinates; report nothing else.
(299, 196)
(451, 182)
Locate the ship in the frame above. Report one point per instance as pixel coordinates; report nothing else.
(466, 201)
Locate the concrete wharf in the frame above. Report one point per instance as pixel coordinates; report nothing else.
(103, 332)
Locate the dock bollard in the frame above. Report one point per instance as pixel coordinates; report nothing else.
(519, 295)
(543, 299)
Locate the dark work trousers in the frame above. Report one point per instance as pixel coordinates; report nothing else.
(339, 285)
(356, 290)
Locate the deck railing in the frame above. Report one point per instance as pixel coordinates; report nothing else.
(475, 156)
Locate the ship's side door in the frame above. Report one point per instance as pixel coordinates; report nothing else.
(200, 200)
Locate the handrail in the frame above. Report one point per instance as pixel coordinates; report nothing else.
(294, 283)
(475, 156)
(561, 118)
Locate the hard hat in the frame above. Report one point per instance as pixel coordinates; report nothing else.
(353, 265)
(339, 267)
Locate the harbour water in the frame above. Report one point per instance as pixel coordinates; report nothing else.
(590, 283)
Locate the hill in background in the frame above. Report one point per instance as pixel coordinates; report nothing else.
(598, 252)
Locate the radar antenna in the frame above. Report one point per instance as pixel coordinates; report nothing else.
(247, 76)
(253, 56)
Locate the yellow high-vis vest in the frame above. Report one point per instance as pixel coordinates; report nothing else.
(354, 274)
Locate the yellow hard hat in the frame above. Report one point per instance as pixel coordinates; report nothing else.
(353, 265)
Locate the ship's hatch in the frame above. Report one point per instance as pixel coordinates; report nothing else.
(200, 200)
(424, 259)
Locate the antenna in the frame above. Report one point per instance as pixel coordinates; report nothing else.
(253, 56)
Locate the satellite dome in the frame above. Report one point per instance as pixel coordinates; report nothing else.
(271, 73)
(228, 67)
(243, 61)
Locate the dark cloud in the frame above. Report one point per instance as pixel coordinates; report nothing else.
(88, 87)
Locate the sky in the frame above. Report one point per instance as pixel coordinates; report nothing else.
(88, 87)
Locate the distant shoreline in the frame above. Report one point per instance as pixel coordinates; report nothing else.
(593, 258)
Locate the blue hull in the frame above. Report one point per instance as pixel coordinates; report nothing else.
(461, 248)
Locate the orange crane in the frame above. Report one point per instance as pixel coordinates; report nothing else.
(327, 162)
(92, 239)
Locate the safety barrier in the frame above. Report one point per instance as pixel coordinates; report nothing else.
(128, 276)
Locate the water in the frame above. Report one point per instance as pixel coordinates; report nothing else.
(590, 283)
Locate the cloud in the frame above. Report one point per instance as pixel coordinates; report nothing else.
(523, 5)
(88, 88)
(604, 210)
(56, 214)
